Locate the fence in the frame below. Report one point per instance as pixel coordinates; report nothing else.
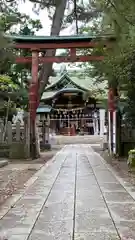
(14, 140)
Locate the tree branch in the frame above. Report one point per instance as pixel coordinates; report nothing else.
(55, 30)
(119, 13)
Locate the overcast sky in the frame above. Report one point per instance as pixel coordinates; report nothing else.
(43, 16)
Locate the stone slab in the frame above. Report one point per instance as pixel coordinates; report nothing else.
(97, 236)
(75, 196)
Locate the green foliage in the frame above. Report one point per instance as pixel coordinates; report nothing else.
(131, 158)
(14, 78)
(5, 82)
(7, 88)
(118, 67)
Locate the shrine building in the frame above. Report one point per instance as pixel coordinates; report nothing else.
(70, 105)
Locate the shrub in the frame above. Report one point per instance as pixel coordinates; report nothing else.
(131, 158)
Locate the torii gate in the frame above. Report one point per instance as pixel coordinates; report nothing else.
(37, 44)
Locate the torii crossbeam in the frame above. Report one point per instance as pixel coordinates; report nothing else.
(38, 45)
(70, 43)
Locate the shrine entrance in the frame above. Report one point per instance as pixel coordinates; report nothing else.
(38, 45)
(71, 113)
(71, 126)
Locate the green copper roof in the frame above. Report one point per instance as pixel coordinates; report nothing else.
(44, 109)
(58, 39)
(47, 95)
(83, 83)
(71, 82)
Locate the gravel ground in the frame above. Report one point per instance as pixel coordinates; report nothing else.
(120, 166)
(14, 176)
(12, 180)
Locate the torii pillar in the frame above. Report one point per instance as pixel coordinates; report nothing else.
(33, 103)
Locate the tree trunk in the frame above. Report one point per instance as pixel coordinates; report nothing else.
(55, 30)
(47, 67)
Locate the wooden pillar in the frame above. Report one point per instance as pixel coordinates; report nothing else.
(110, 118)
(118, 133)
(117, 119)
(33, 99)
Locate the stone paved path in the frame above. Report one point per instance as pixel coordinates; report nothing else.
(76, 197)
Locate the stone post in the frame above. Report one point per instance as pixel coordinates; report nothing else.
(95, 124)
(47, 140)
(1, 131)
(9, 133)
(102, 121)
(18, 131)
(27, 133)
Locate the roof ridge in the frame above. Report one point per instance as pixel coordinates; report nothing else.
(59, 79)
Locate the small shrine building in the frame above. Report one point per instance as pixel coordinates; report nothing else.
(70, 105)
